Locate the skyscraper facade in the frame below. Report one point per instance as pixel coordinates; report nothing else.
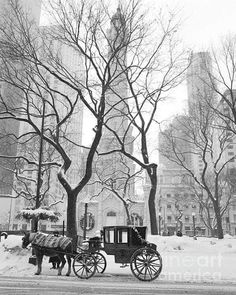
(10, 128)
(51, 189)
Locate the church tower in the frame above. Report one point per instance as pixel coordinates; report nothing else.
(117, 98)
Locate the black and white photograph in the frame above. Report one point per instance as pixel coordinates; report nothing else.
(117, 147)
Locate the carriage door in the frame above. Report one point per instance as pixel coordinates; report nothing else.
(111, 218)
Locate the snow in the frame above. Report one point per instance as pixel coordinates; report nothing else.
(184, 259)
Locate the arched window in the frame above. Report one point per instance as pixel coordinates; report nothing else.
(111, 218)
(111, 213)
(136, 219)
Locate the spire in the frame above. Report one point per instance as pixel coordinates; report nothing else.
(118, 17)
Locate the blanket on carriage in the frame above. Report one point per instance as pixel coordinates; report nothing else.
(51, 241)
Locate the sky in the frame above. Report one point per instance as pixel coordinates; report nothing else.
(204, 23)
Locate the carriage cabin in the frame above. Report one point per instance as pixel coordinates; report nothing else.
(122, 241)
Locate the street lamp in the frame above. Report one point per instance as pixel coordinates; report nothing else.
(194, 230)
(159, 222)
(86, 201)
(85, 220)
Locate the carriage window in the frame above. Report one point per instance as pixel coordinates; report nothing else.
(109, 235)
(122, 235)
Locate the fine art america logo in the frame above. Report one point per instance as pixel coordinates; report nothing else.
(192, 267)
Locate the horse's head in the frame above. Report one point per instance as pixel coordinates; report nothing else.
(26, 240)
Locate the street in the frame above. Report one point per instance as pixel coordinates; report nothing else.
(106, 285)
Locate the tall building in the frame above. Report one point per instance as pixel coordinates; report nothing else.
(176, 196)
(8, 144)
(229, 154)
(175, 199)
(200, 96)
(198, 81)
(51, 188)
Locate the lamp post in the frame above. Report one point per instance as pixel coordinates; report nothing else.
(159, 222)
(194, 230)
(85, 220)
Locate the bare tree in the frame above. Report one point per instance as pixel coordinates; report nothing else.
(194, 137)
(154, 66)
(30, 58)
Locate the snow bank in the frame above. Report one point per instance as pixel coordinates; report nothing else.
(14, 259)
(204, 259)
(184, 259)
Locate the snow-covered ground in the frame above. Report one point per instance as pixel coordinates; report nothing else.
(184, 259)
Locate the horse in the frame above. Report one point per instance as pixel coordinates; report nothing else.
(39, 251)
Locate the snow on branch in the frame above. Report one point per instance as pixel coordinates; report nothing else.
(39, 213)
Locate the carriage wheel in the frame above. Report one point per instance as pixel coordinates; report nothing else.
(101, 263)
(84, 265)
(146, 264)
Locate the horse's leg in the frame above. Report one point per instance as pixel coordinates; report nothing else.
(69, 265)
(63, 262)
(39, 259)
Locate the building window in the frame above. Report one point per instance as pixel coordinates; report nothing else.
(234, 217)
(169, 218)
(15, 227)
(111, 213)
(169, 206)
(168, 195)
(136, 219)
(186, 218)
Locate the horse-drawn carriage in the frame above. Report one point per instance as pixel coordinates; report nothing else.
(127, 244)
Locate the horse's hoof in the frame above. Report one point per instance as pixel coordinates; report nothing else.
(68, 274)
(36, 273)
(59, 274)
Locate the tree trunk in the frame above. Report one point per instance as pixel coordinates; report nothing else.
(127, 213)
(71, 218)
(220, 233)
(151, 202)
